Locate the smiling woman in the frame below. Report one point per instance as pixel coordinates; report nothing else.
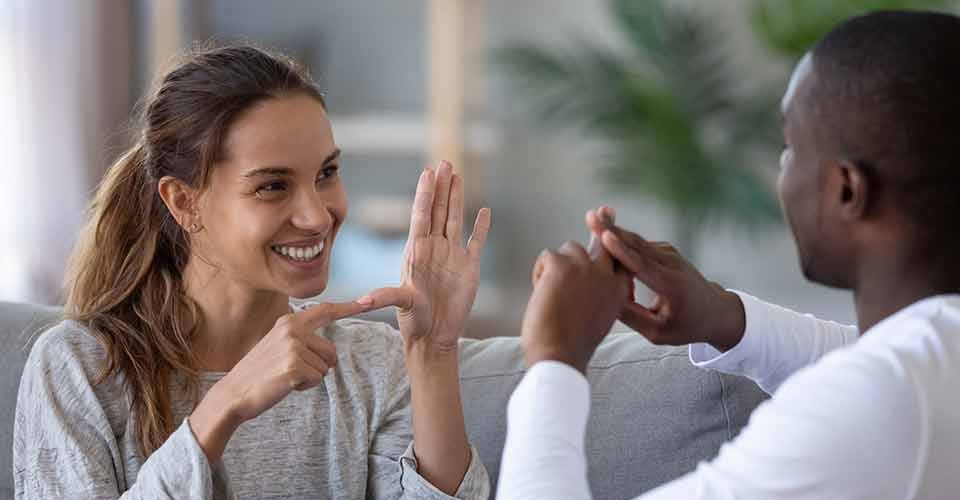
(182, 370)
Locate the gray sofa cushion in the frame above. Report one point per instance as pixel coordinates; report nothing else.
(19, 325)
(654, 415)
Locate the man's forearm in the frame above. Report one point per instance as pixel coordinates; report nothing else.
(546, 424)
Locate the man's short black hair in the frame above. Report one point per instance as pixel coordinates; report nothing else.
(887, 92)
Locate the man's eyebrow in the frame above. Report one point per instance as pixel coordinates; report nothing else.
(286, 170)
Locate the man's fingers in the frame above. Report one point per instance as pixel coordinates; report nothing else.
(607, 215)
(574, 250)
(597, 221)
(539, 266)
(389, 296)
(454, 230)
(657, 251)
(639, 264)
(481, 227)
(641, 319)
(318, 315)
(422, 206)
(441, 200)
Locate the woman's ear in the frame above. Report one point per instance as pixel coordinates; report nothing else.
(182, 201)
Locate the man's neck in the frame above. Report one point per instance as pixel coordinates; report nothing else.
(887, 287)
(234, 316)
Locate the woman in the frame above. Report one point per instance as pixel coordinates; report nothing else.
(182, 371)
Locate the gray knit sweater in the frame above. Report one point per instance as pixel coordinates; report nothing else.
(349, 437)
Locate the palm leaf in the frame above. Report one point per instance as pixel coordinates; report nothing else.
(659, 106)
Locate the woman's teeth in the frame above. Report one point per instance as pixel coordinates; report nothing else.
(302, 254)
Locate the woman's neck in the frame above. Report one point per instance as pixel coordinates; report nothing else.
(234, 316)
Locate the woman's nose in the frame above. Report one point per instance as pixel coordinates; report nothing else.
(312, 213)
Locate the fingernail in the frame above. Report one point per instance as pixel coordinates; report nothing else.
(366, 300)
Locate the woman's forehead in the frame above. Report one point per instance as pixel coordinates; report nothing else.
(283, 129)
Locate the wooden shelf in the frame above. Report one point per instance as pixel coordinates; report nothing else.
(382, 134)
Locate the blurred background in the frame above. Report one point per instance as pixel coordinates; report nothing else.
(666, 110)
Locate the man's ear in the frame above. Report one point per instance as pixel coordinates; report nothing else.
(181, 200)
(852, 190)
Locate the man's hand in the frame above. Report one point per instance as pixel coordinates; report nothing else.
(688, 308)
(574, 303)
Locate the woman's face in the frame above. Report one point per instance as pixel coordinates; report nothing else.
(275, 202)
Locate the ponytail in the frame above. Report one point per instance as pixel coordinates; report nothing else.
(124, 284)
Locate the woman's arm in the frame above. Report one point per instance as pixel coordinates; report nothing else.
(64, 446)
(441, 447)
(438, 286)
(393, 439)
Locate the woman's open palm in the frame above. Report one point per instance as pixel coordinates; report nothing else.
(440, 275)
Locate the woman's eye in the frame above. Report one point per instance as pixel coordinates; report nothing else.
(271, 189)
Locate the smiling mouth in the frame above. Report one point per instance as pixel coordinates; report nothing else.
(300, 254)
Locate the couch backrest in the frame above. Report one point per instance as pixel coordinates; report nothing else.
(19, 325)
(654, 416)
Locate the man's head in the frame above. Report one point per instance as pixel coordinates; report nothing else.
(871, 125)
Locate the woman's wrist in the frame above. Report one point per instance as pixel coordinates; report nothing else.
(426, 352)
(440, 438)
(213, 423)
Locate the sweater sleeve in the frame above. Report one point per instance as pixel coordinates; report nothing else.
(776, 343)
(64, 446)
(392, 463)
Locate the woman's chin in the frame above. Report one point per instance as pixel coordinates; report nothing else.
(306, 290)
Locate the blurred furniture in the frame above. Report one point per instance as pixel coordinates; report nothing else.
(654, 416)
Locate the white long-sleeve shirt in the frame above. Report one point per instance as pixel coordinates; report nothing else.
(875, 418)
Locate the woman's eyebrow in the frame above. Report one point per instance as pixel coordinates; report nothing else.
(286, 170)
(268, 171)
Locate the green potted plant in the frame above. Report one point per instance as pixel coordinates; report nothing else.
(667, 111)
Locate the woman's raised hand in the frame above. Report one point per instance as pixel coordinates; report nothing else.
(440, 274)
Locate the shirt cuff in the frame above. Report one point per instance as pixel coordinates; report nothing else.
(553, 399)
(180, 466)
(736, 360)
(475, 483)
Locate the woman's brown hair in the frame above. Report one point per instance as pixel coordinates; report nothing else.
(125, 277)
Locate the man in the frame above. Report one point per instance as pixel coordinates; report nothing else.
(871, 191)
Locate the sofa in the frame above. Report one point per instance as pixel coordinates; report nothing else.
(654, 416)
